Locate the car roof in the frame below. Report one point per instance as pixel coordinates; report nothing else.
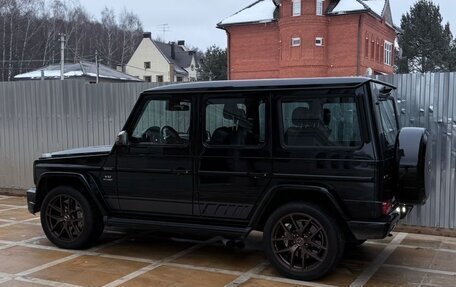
(343, 82)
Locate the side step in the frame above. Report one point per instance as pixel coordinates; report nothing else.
(182, 228)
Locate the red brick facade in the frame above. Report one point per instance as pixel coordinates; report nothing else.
(264, 50)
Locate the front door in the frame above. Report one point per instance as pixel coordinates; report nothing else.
(155, 170)
(234, 165)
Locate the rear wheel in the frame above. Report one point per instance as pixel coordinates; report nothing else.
(302, 241)
(69, 219)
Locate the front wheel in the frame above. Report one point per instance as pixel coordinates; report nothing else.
(302, 241)
(69, 219)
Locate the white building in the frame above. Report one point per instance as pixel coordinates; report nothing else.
(155, 61)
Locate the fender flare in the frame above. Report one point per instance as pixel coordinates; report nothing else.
(271, 194)
(92, 188)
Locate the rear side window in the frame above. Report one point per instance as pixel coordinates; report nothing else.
(235, 121)
(322, 121)
(388, 120)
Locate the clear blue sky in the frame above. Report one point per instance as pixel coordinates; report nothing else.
(195, 20)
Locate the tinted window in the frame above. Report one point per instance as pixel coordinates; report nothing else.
(386, 108)
(321, 122)
(388, 120)
(235, 121)
(164, 122)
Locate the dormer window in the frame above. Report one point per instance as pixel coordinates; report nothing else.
(296, 8)
(320, 7)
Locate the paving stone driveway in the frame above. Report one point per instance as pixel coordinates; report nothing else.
(27, 258)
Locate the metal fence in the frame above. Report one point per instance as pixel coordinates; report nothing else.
(429, 100)
(42, 116)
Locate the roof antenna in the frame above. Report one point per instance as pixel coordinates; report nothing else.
(164, 28)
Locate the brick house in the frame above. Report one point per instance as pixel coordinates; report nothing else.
(310, 38)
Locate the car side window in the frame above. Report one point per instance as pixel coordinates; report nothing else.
(164, 122)
(235, 121)
(322, 121)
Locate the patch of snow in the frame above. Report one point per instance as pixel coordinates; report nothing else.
(348, 6)
(37, 74)
(396, 44)
(73, 74)
(262, 11)
(376, 6)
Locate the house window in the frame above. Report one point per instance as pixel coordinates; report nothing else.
(366, 46)
(160, 79)
(296, 42)
(296, 7)
(147, 79)
(388, 53)
(179, 79)
(377, 52)
(319, 41)
(320, 7)
(146, 65)
(373, 49)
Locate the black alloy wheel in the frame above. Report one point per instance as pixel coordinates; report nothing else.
(69, 219)
(303, 241)
(65, 218)
(299, 241)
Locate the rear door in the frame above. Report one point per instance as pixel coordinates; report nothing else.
(234, 166)
(322, 140)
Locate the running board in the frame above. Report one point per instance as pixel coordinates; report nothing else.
(175, 227)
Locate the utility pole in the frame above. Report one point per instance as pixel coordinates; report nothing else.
(97, 63)
(62, 56)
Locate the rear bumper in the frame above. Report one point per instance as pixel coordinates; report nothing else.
(363, 230)
(31, 197)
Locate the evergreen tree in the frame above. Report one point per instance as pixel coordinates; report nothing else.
(452, 57)
(213, 64)
(425, 43)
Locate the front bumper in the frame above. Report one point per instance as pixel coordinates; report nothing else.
(31, 197)
(363, 230)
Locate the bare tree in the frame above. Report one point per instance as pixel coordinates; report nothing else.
(29, 32)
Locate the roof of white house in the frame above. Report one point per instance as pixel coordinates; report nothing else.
(261, 11)
(80, 69)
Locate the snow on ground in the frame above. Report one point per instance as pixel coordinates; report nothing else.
(262, 11)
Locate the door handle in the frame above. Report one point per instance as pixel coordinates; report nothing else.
(259, 175)
(182, 171)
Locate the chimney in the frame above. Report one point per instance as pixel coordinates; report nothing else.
(147, 35)
(173, 50)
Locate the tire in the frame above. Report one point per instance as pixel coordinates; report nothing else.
(69, 219)
(306, 233)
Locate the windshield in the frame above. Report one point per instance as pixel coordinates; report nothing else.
(388, 115)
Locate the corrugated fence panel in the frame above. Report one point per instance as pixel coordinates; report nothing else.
(429, 100)
(43, 116)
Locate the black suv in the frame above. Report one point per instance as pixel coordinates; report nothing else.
(312, 163)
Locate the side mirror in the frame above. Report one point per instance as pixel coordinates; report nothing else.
(122, 138)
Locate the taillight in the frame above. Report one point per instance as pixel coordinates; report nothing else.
(387, 206)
